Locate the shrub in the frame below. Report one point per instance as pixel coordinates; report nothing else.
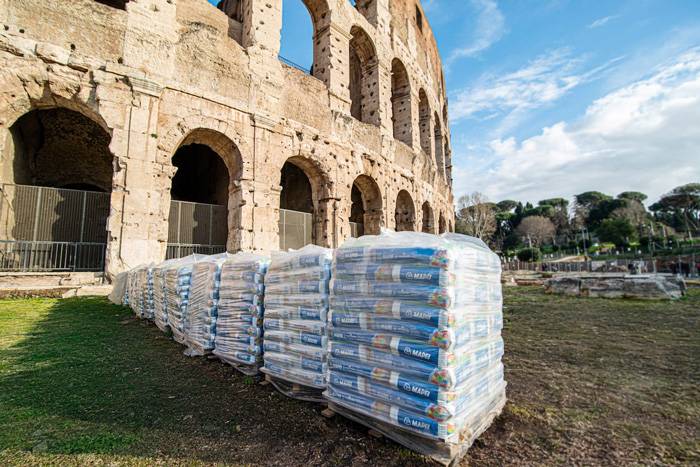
(530, 254)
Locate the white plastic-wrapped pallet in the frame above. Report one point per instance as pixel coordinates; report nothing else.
(415, 339)
(177, 293)
(145, 297)
(201, 317)
(296, 311)
(239, 330)
(160, 303)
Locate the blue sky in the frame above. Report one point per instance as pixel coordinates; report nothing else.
(555, 97)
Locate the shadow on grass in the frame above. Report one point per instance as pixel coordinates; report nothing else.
(90, 378)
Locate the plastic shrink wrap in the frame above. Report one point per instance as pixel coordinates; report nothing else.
(296, 313)
(177, 278)
(415, 339)
(239, 331)
(201, 318)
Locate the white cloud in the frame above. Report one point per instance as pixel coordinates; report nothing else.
(490, 27)
(602, 21)
(644, 136)
(542, 81)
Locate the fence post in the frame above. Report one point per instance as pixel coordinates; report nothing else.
(82, 217)
(35, 229)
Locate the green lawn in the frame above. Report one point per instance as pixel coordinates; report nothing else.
(590, 381)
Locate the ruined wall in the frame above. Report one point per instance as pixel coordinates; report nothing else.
(160, 74)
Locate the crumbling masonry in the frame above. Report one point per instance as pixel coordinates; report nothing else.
(102, 94)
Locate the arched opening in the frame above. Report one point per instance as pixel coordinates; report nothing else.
(232, 8)
(442, 224)
(363, 83)
(206, 163)
(304, 37)
(296, 222)
(438, 144)
(405, 214)
(366, 208)
(401, 103)
(56, 185)
(449, 226)
(424, 123)
(428, 224)
(119, 4)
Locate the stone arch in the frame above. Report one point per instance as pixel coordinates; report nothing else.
(401, 103)
(319, 13)
(59, 172)
(405, 213)
(366, 208)
(428, 221)
(206, 169)
(442, 224)
(438, 144)
(367, 8)
(363, 82)
(424, 123)
(318, 191)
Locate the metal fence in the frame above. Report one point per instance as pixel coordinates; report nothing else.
(52, 229)
(175, 250)
(356, 229)
(295, 229)
(196, 228)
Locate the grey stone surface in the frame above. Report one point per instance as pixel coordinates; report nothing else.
(645, 287)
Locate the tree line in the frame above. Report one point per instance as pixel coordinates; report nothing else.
(595, 221)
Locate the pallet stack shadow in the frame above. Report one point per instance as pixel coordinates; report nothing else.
(200, 320)
(414, 339)
(239, 326)
(296, 307)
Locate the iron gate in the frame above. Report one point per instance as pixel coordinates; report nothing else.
(196, 228)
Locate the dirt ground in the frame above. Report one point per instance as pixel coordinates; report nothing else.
(590, 381)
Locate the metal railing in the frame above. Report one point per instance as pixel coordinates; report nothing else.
(175, 250)
(29, 256)
(286, 61)
(295, 229)
(45, 229)
(357, 229)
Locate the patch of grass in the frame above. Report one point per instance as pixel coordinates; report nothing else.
(590, 381)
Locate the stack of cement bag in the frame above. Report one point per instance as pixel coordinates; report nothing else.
(296, 307)
(177, 293)
(240, 312)
(145, 284)
(414, 339)
(160, 305)
(200, 320)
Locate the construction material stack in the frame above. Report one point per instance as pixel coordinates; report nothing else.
(200, 320)
(239, 324)
(296, 308)
(145, 293)
(414, 339)
(178, 277)
(160, 306)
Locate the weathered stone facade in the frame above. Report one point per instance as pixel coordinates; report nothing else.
(156, 75)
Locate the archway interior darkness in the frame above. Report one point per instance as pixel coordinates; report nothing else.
(362, 83)
(199, 206)
(427, 224)
(201, 177)
(357, 212)
(401, 103)
(424, 122)
(57, 175)
(296, 227)
(296, 192)
(437, 133)
(442, 224)
(405, 213)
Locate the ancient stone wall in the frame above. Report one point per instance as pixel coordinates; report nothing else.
(157, 75)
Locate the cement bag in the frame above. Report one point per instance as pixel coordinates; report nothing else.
(296, 313)
(414, 338)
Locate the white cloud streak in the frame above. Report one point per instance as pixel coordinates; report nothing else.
(490, 27)
(600, 22)
(644, 136)
(542, 81)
